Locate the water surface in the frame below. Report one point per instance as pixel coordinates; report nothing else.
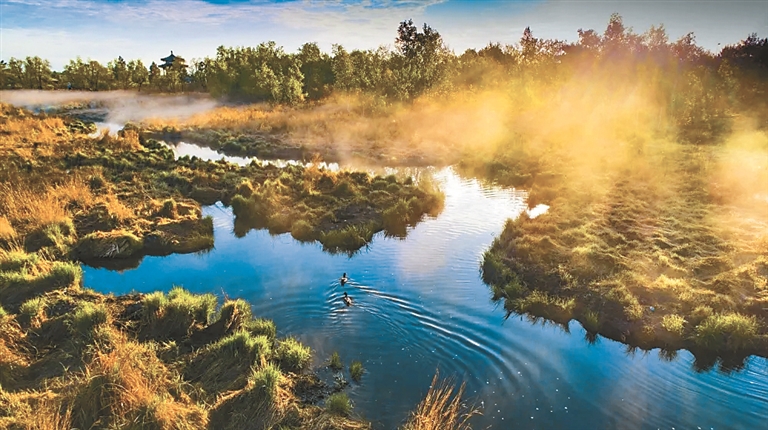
(420, 305)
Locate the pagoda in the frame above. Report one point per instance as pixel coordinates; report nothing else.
(168, 61)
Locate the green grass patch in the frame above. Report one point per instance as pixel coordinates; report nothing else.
(262, 327)
(292, 355)
(33, 307)
(174, 315)
(347, 239)
(235, 314)
(731, 331)
(86, 317)
(265, 380)
(335, 361)
(541, 304)
(107, 245)
(338, 404)
(224, 364)
(17, 260)
(356, 370)
(674, 324)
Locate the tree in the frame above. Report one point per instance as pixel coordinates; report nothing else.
(97, 76)
(419, 63)
(3, 74)
(154, 75)
(120, 74)
(75, 74)
(37, 73)
(137, 73)
(317, 70)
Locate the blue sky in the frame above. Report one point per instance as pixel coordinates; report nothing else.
(148, 29)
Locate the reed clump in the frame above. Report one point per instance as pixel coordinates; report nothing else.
(441, 409)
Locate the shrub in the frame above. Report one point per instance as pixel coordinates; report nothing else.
(3, 312)
(726, 331)
(335, 362)
(339, 404)
(292, 355)
(356, 370)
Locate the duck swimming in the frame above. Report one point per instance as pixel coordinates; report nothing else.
(343, 279)
(347, 299)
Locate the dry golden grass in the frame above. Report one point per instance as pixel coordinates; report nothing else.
(29, 137)
(441, 409)
(30, 209)
(7, 232)
(35, 410)
(126, 383)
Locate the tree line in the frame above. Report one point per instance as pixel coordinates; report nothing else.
(695, 84)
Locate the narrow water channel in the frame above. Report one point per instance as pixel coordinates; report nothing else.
(420, 305)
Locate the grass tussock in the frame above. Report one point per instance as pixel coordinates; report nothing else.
(224, 365)
(727, 332)
(87, 317)
(339, 404)
(292, 355)
(128, 384)
(356, 370)
(265, 381)
(25, 276)
(334, 363)
(33, 308)
(441, 409)
(176, 314)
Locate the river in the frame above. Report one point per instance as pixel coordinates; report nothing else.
(420, 305)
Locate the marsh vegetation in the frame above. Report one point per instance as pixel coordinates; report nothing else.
(651, 156)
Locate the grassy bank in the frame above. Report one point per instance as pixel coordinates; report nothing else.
(73, 358)
(116, 198)
(649, 242)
